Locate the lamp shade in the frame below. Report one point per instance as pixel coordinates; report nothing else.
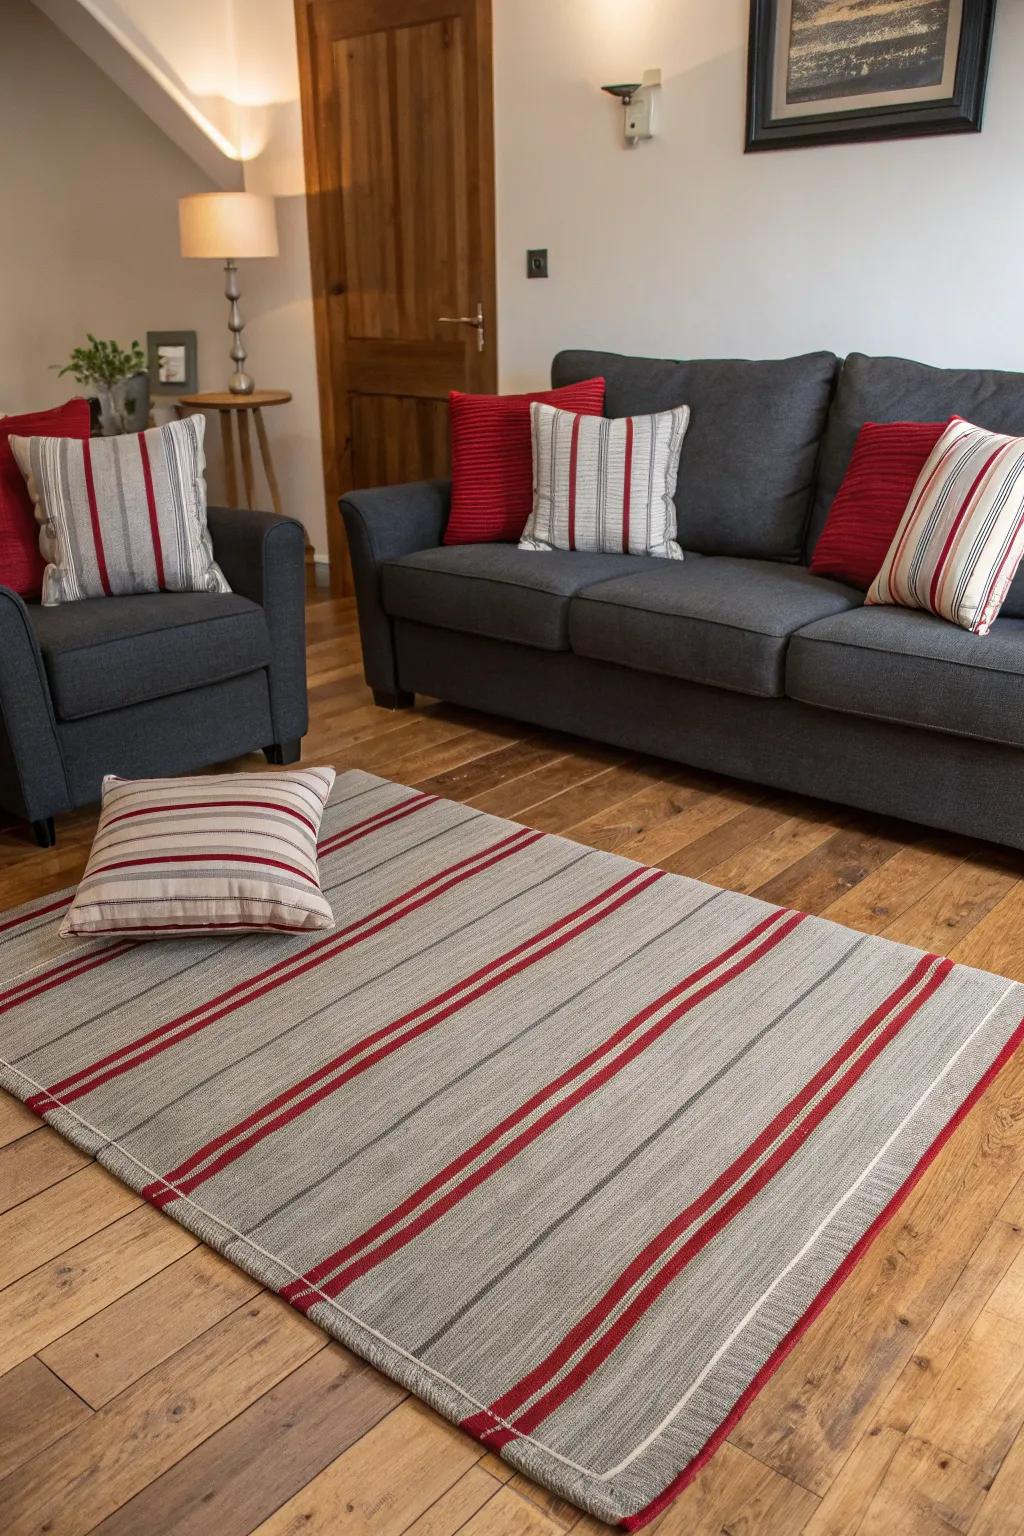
(227, 225)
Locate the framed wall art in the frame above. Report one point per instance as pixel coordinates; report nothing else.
(173, 368)
(821, 71)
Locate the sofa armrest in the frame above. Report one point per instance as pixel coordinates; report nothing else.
(263, 557)
(33, 781)
(383, 525)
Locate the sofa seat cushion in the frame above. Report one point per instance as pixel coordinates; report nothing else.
(497, 590)
(718, 621)
(111, 652)
(904, 665)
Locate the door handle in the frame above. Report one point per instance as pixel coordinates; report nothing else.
(476, 321)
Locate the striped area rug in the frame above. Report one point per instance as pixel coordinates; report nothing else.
(570, 1147)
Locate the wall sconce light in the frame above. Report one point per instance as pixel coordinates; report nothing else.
(638, 105)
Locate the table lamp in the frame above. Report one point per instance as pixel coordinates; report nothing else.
(224, 226)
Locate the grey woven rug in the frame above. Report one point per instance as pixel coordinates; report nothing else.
(570, 1147)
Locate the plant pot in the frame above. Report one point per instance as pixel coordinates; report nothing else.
(124, 406)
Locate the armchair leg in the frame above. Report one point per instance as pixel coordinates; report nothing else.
(400, 700)
(282, 752)
(45, 832)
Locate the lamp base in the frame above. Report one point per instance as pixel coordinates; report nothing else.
(241, 383)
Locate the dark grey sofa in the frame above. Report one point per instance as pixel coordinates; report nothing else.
(738, 659)
(158, 684)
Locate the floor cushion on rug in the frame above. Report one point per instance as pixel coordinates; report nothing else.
(570, 1147)
(224, 853)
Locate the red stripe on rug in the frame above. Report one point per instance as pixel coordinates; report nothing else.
(670, 1493)
(26, 917)
(86, 1079)
(383, 818)
(649, 1293)
(182, 1179)
(302, 1293)
(154, 523)
(66, 970)
(209, 805)
(94, 518)
(203, 858)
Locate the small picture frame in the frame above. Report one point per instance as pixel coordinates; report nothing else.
(173, 368)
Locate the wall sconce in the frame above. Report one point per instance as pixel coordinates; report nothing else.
(638, 106)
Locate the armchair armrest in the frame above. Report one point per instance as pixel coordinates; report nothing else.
(382, 525)
(33, 781)
(263, 557)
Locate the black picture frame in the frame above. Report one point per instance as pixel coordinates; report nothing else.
(186, 341)
(960, 113)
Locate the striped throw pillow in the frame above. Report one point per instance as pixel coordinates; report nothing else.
(605, 485)
(226, 853)
(119, 515)
(961, 538)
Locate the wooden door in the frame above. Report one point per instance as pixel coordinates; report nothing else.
(397, 120)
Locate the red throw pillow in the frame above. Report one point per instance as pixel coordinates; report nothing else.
(862, 521)
(21, 564)
(492, 459)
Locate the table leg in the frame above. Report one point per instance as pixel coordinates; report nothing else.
(245, 443)
(228, 446)
(268, 463)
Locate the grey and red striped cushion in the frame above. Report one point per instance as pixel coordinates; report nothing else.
(120, 515)
(229, 852)
(605, 486)
(961, 538)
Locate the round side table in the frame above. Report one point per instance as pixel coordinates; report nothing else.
(239, 406)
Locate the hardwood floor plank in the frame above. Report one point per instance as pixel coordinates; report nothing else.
(753, 868)
(831, 870)
(736, 1493)
(126, 1339)
(509, 1515)
(384, 1482)
(99, 1466)
(455, 1507)
(55, 1298)
(34, 1162)
(841, 1511)
(51, 1222)
(561, 1514)
(825, 1395)
(987, 1276)
(245, 1471)
(738, 825)
(35, 1410)
(946, 913)
(994, 942)
(1001, 1512)
(578, 802)
(525, 793)
(878, 900)
(15, 1120)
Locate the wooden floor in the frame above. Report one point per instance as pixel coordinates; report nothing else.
(147, 1387)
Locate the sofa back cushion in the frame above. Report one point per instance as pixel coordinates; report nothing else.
(746, 474)
(896, 389)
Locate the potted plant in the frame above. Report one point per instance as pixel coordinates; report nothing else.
(118, 380)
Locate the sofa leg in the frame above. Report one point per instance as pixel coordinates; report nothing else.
(400, 700)
(283, 752)
(45, 832)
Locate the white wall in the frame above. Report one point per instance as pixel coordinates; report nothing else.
(89, 237)
(686, 246)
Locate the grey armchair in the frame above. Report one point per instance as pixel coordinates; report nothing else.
(158, 684)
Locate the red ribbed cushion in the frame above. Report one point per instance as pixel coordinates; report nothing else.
(21, 564)
(492, 459)
(862, 521)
